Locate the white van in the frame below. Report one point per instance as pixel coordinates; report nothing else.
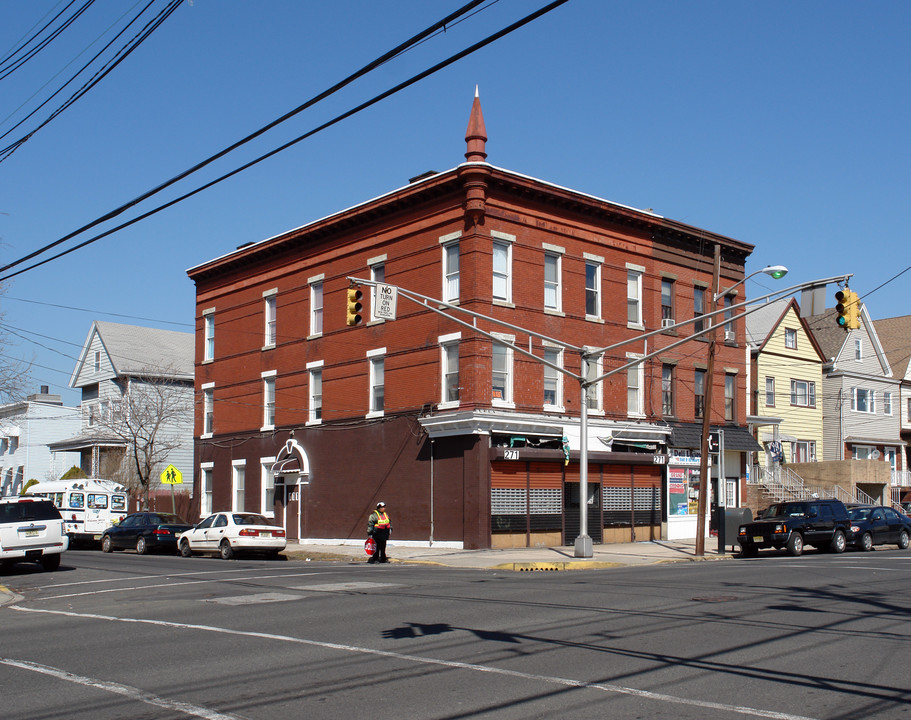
(89, 506)
(31, 530)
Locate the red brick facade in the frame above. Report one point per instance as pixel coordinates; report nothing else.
(437, 482)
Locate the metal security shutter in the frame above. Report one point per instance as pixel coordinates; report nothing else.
(631, 494)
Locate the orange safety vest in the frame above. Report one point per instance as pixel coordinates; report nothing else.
(382, 521)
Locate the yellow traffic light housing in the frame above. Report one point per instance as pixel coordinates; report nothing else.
(848, 309)
(354, 306)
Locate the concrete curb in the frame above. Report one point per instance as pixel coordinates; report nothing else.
(7, 596)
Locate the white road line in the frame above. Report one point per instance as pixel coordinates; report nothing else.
(169, 575)
(125, 690)
(554, 680)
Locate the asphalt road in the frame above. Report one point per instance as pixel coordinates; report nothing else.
(148, 637)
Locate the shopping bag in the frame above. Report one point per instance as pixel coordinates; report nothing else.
(370, 546)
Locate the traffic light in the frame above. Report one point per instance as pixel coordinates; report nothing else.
(354, 306)
(848, 309)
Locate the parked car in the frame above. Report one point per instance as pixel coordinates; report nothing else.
(226, 533)
(145, 531)
(31, 530)
(821, 523)
(877, 525)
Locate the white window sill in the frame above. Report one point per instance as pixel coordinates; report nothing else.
(269, 347)
(449, 405)
(314, 336)
(313, 422)
(594, 318)
(374, 414)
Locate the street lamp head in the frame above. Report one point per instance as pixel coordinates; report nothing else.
(775, 271)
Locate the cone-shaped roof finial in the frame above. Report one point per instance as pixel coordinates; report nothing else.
(476, 134)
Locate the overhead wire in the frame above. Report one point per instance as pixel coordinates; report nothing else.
(16, 64)
(369, 103)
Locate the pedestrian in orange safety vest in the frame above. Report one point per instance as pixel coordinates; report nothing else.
(379, 528)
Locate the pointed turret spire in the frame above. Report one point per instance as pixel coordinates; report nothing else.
(476, 134)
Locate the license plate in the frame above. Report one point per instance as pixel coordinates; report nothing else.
(31, 533)
(265, 534)
(96, 537)
(757, 538)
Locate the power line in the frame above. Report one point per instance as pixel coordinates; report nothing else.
(312, 101)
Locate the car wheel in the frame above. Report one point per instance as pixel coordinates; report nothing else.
(903, 540)
(185, 550)
(866, 542)
(141, 547)
(106, 544)
(795, 544)
(227, 552)
(50, 562)
(838, 542)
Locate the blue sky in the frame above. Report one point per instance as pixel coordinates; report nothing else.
(783, 125)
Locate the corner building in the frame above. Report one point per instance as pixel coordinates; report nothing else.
(469, 441)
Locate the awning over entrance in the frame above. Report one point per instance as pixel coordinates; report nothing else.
(292, 465)
(288, 466)
(736, 438)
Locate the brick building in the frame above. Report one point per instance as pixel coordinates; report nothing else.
(469, 441)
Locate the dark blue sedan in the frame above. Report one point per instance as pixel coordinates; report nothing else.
(144, 532)
(878, 525)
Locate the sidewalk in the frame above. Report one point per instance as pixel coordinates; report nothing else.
(522, 559)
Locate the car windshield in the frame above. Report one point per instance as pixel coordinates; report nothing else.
(250, 520)
(786, 510)
(166, 519)
(860, 513)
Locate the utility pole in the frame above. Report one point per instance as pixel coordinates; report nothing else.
(704, 478)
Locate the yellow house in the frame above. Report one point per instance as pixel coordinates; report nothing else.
(785, 407)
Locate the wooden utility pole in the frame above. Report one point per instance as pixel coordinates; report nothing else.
(704, 478)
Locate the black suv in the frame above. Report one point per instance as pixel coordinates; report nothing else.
(824, 524)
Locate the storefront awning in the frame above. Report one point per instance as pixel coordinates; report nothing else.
(289, 466)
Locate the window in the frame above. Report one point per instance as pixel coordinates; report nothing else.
(887, 403)
(267, 483)
(593, 289)
(268, 400)
(449, 362)
(501, 371)
(770, 392)
(863, 452)
(863, 400)
(803, 451)
(269, 315)
(790, 339)
(634, 296)
(699, 309)
(730, 394)
(502, 267)
(803, 393)
(97, 361)
(593, 394)
(315, 370)
(205, 487)
(699, 393)
(858, 349)
(553, 381)
(316, 307)
(635, 387)
(209, 336)
(667, 390)
(237, 485)
(908, 419)
(377, 360)
(667, 301)
(208, 409)
(552, 288)
(451, 270)
(377, 274)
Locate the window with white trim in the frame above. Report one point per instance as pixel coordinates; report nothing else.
(730, 396)
(315, 392)
(699, 309)
(803, 451)
(553, 291)
(790, 338)
(267, 485)
(502, 266)
(97, 361)
(316, 307)
(205, 488)
(858, 349)
(238, 482)
(770, 392)
(449, 368)
(699, 393)
(803, 393)
(268, 400)
(668, 389)
(208, 409)
(635, 387)
(377, 361)
(208, 321)
(863, 400)
(451, 269)
(887, 403)
(863, 452)
(594, 397)
(667, 301)
(377, 274)
(501, 371)
(269, 305)
(593, 289)
(553, 379)
(634, 296)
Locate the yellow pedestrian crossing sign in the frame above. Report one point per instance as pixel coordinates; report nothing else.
(171, 476)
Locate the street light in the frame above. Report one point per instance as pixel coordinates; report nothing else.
(776, 272)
